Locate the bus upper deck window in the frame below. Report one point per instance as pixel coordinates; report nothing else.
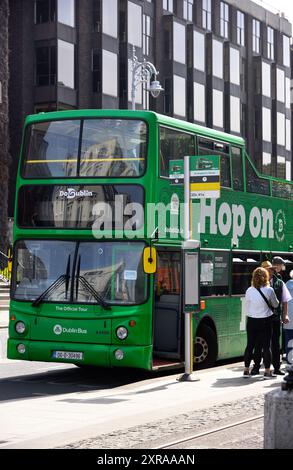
(237, 169)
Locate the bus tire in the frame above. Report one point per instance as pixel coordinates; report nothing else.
(205, 348)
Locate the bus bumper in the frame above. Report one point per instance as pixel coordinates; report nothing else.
(92, 354)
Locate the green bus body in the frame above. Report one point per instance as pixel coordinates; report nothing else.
(252, 221)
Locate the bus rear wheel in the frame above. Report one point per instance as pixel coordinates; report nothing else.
(205, 348)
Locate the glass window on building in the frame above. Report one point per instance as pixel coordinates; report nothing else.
(235, 118)
(271, 43)
(288, 171)
(97, 16)
(199, 103)
(281, 127)
(188, 9)
(240, 28)
(207, 14)
(218, 61)
(96, 69)
(179, 43)
(288, 92)
(110, 18)
(267, 164)
(110, 73)
(266, 80)
(46, 66)
(199, 51)
(168, 5)
(65, 64)
(280, 85)
(281, 167)
(134, 24)
(224, 20)
(286, 51)
(167, 96)
(288, 135)
(256, 36)
(218, 109)
(66, 12)
(234, 66)
(179, 96)
(147, 35)
(45, 11)
(266, 124)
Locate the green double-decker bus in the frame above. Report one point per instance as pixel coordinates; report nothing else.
(94, 202)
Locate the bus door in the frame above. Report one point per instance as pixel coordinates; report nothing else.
(167, 305)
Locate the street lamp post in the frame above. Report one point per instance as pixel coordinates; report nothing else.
(142, 72)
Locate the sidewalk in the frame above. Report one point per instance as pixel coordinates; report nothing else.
(57, 421)
(4, 319)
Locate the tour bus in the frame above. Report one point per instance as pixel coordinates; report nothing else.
(97, 262)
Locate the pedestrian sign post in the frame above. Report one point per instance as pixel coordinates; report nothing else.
(200, 176)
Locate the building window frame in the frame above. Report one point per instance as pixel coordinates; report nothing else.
(51, 11)
(207, 14)
(188, 10)
(270, 43)
(168, 5)
(147, 34)
(256, 36)
(240, 28)
(224, 20)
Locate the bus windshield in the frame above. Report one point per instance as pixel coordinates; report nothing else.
(115, 148)
(113, 269)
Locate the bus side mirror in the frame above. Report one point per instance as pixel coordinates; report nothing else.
(150, 260)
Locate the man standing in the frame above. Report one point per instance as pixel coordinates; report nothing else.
(280, 315)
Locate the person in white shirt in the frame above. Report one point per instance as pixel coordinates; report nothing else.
(260, 300)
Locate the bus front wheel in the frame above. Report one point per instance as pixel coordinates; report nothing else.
(205, 348)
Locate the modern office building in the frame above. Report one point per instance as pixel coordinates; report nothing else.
(222, 64)
(4, 133)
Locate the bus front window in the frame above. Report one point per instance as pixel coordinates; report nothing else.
(115, 148)
(114, 270)
(103, 148)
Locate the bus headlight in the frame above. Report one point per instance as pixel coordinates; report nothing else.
(119, 355)
(20, 327)
(122, 332)
(21, 348)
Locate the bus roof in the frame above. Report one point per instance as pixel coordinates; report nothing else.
(159, 118)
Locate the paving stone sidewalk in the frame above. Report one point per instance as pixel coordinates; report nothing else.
(151, 435)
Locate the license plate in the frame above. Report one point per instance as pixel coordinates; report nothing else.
(69, 355)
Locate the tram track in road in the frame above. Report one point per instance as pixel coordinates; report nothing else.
(194, 437)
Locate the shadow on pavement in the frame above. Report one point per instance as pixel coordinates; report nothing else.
(241, 382)
(70, 380)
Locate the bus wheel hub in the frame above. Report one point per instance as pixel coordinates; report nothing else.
(201, 349)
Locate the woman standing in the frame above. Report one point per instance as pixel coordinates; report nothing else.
(260, 302)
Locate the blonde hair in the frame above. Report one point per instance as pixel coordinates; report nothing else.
(260, 278)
